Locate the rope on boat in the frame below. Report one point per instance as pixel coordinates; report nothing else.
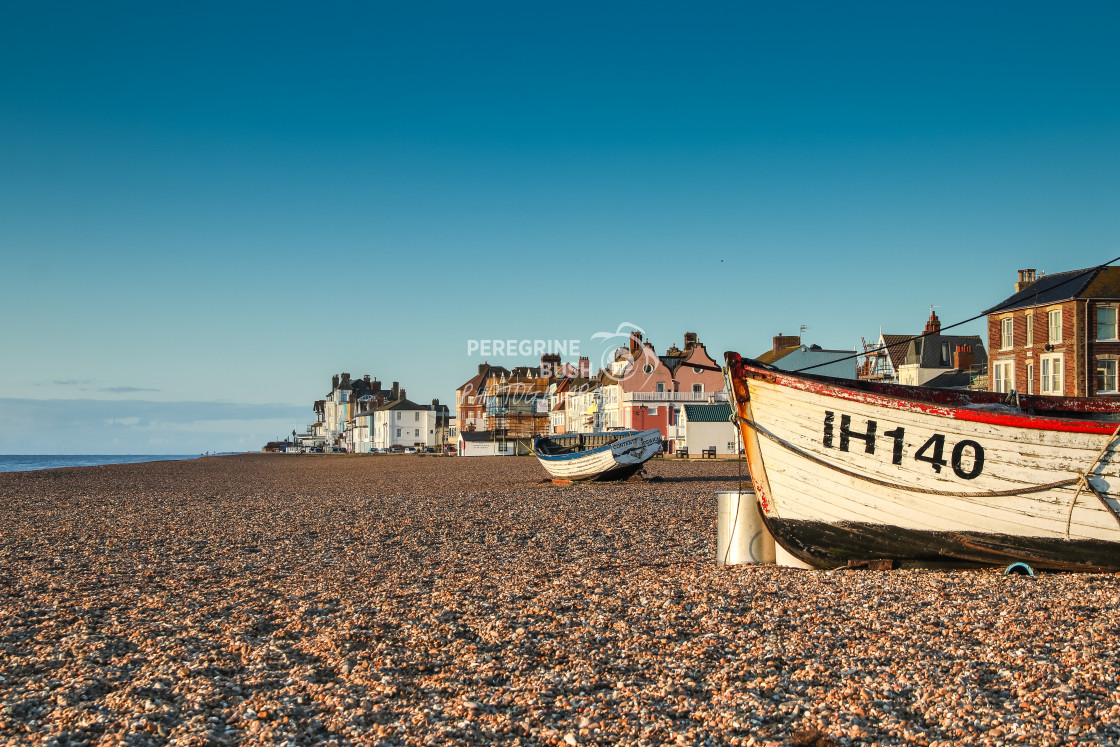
(910, 488)
(1083, 482)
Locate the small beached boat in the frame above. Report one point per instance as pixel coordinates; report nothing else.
(851, 470)
(613, 455)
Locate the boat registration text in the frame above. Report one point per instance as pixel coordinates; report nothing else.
(966, 457)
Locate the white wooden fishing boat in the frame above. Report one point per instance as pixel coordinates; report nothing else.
(850, 470)
(612, 455)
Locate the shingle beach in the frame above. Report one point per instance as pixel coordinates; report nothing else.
(426, 600)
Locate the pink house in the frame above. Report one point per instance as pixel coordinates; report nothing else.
(645, 390)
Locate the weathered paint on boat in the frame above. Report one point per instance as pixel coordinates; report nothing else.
(848, 470)
(597, 456)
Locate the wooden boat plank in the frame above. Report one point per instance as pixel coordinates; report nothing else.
(824, 513)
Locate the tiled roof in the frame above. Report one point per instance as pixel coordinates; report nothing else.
(931, 349)
(896, 348)
(405, 404)
(720, 413)
(770, 355)
(1048, 289)
(951, 379)
(478, 436)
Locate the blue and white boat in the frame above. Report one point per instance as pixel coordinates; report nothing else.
(611, 455)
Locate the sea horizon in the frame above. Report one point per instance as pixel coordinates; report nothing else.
(33, 462)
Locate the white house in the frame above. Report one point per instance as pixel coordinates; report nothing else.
(404, 423)
(708, 426)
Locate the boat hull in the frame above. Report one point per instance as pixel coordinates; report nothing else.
(845, 472)
(617, 460)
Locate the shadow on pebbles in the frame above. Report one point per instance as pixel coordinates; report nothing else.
(280, 599)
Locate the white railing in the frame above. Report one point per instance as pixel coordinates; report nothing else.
(674, 396)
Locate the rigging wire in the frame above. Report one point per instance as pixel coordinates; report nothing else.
(993, 310)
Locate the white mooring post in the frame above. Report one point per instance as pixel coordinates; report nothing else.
(741, 536)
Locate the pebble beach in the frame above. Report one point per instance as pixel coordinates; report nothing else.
(424, 600)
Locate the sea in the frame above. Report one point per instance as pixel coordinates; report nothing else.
(27, 462)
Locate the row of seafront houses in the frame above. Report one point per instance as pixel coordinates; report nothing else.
(1057, 334)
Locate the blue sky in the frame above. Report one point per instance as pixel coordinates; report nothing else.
(208, 209)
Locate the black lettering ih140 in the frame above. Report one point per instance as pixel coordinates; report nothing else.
(931, 452)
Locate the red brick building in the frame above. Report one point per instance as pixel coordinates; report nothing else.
(1058, 335)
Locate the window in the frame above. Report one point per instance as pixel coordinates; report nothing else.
(696, 369)
(1030, 328)
(945, 358)
(661, 387)
(653, 410)
(398, 432)
(1051, 374)
(1007, 333)
(1030, 378)
(697, 388)
(1106, 322)
(398, 416)
(417, 418)
(1054, 327)
(418, 433)
(1003, 376)
(648, 368)
(1106, 376)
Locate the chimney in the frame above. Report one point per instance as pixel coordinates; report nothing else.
(963, 357)
(366, 378)
(435, 404)
(334, 382)
(395, 393)
(550, 365)
(584, 367)
(690, 340)
(482, 367)
(403, 395)
(933, 326)
(375, 386)
(345, 378)
(785, 341)
(635, 342)
(1026, 277)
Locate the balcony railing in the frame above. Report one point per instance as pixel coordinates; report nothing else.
(674, 396)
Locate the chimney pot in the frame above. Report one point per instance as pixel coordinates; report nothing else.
(1026, 277)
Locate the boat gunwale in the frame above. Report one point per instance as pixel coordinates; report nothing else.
(843, 390)
(623, 435)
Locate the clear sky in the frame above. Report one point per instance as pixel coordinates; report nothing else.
(207, 209)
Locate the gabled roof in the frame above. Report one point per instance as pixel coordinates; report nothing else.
(897, 346)
(720, 413)
(486, 371)
(1094, 282)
